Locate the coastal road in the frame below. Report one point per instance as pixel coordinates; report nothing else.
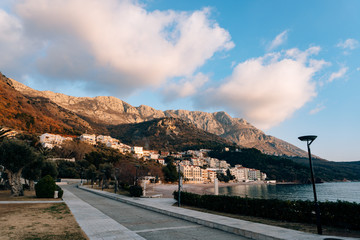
(149, 224)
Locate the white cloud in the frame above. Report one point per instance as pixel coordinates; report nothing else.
(348, 44)
(338, 74)
(186, 87)
(358, 69)
(14, 46)
(118, 44)
(267, 90)
(278, 40)
(317, 109)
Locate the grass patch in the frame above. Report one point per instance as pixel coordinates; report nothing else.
(41, 221)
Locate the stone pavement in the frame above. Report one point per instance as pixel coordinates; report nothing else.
(95, 224)
(165, 206)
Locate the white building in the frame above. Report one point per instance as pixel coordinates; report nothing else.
(240, 173)
(254, 175)
(154, 156)
(161, 161)
(88, 138)
(106, 139)
(51, 140)
(62, 159)
(192, 174)
(223, 164)
(137, 150)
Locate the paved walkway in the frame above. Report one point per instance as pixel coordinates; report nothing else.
(145, 223)
(95, 223)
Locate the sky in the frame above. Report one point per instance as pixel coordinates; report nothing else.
(290, 68)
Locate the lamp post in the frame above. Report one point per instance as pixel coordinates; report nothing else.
(103, 175)
(309, 139)
(116, 181)
(136, 175)
(179, 186)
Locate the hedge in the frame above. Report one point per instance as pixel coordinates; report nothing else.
(135, 191)
(60, 191)
(337, 214)
(45, 188)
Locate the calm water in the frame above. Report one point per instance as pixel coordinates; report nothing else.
(345, 191)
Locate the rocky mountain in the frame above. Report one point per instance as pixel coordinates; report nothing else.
(169, 134)
(113, 111)
(36, 113)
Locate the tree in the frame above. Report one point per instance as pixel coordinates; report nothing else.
(222, 177)
(170, 173)
(32, 171)
(73, 149)
(90, 173)
(14, 156)
(229, 175)
(49, 168)
(106, 169)
(67, 169)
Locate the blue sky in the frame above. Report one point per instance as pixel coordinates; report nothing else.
(290, 68)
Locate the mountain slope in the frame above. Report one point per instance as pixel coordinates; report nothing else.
(113, 111)
(36, 114)
(170, 134)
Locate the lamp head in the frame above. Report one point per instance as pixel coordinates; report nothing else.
(309, 138)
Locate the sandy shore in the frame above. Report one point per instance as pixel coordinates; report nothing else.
(208, 188)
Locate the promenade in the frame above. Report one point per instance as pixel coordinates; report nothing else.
(121, 217)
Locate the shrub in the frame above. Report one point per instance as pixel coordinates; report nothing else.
(135, 191)
(125, 186)
(26, 186)
(60, 191)
(336, 214)
(45, 188)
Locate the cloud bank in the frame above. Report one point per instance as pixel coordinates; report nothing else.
(114, 43)
(120, 47)
(269, 89)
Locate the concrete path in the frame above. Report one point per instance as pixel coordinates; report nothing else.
(95, 224)
(147, 224)
(152, 226)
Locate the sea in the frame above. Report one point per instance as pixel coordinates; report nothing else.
(330, 191)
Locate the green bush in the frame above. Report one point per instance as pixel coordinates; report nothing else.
(135, 191)
(60, 191)
(45, 188)
(336, 214)
(125, 186)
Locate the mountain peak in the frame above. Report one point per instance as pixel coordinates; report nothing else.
(107, 110)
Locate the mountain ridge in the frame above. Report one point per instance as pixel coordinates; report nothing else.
(167, 134)
(110, 110)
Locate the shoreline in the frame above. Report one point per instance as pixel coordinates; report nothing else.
(199, 188)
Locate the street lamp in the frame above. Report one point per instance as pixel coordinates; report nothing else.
(179, 186)
(136, 175)
(309, 139)
(103, 175)
(116, 182)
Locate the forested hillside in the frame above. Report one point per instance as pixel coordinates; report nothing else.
(288, 170)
